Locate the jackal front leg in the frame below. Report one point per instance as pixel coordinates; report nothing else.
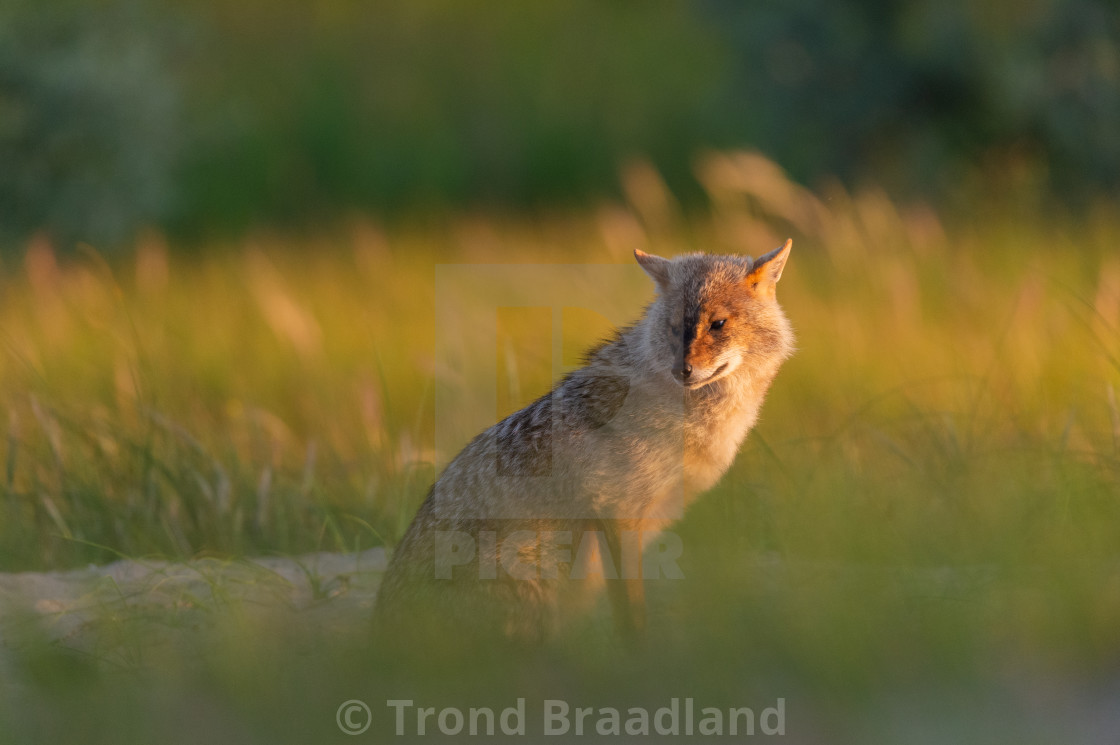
(622, 567)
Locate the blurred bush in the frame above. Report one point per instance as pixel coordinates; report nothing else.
(930, 98)
(89, 119)
(436, 103)
(269, 112)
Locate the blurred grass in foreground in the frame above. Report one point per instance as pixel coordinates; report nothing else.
(930, 505)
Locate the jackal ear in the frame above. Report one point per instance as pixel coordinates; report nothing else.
(655, 266)
(767, 270)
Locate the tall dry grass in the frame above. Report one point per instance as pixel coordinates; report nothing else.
(277, 394)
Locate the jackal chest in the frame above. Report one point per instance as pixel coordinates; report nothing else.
(711, 445)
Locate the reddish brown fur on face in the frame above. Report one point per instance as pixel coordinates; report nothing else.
(740, 293)
(739, 306)
(709, 343)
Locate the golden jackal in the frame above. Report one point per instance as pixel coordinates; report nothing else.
(576, 484)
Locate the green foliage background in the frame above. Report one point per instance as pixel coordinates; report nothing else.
(208, 116)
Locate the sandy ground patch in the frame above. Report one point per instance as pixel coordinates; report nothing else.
(120, 610)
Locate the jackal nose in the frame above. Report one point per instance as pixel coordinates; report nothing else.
(683, 371)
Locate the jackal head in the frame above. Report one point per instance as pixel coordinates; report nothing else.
(717, 314)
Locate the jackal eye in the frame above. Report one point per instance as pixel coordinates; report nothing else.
(717, 325)
(675, 330)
